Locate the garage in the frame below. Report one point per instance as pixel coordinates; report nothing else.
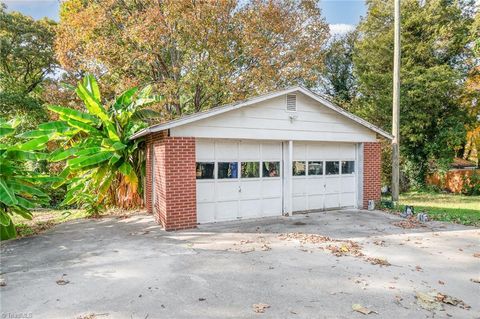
(280, 153)
(324, 176)
(238, 179)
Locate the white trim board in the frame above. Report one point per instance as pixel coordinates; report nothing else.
(237, 105)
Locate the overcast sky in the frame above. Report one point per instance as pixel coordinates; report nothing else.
(342, 15)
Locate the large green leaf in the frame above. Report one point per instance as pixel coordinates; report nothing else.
(74, 114)
(25, 203)
(23, 155)
(7, 196)
(25, 213)
(36, 133)
(124, 99)
(57, 126)
(91, 85)
(92, 160)
(4, 219)
(27, 190)
(64, 154)
(8, 232)
(91, 103)
(34, 144)
(145, 114)
(81, 126)
(5, 131)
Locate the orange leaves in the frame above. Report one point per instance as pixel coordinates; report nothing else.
(199, 54)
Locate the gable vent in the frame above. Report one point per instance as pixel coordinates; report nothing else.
(291, 102)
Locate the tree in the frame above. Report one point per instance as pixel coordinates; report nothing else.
(20, 189)
(199, 54)
(26, 51)
(434, 65)
(26, 59)
(103, 166)
(339, 81)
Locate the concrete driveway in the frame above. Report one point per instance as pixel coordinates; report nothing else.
(130, 268)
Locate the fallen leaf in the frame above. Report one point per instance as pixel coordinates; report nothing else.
(441, 282)
(62, 282)
(260, 307)
(477, 255)
(475, 280)
(428, 301)
(359, 308)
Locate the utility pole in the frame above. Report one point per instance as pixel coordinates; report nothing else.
(396, 107)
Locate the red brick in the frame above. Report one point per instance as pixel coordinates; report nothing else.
(372, 170)
(175, 183)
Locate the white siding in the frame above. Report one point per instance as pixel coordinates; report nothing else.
(270, 120)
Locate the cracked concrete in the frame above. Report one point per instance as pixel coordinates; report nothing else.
(130, 268)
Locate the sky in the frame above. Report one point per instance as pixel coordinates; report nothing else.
(342, 15)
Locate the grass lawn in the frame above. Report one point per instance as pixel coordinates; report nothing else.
(44, 219)
(445, 207)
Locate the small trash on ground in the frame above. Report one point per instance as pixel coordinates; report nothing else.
(3, 283)
(408, 212)
(475, 280)
(359, 308)
(260, 307)
(62, 282)
(422, 217)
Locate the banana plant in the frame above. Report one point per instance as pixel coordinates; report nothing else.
(20, 189)
(101, 160)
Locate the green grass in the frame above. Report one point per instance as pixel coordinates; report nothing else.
(455, 208)
(44, 219)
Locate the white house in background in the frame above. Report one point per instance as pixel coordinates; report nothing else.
(271, 155)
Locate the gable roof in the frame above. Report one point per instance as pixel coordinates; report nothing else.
(237, 105)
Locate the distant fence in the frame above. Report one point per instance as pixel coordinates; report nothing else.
(453, 181)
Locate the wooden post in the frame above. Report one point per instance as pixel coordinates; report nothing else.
(396, 107)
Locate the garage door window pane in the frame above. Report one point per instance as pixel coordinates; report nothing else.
(315, 168)
(271, 169)
(205, 170)
(332, 168)
(298, 168)
(348, 167)
(227, 170)
(250, 169)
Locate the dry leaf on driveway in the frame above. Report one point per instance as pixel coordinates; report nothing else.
(359, 308)
(260, 307)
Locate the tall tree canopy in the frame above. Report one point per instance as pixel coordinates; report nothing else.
(435, 51)
(26, 51)
(338, 80)
(26, 59)
(197, 53)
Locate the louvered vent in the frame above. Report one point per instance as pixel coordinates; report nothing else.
(291, 102)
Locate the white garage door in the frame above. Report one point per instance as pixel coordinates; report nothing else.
(238, 179)
(323, 175)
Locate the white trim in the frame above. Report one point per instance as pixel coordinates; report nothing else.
(234, 106)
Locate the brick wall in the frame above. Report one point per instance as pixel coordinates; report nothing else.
(372, 170)
(174, 203)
